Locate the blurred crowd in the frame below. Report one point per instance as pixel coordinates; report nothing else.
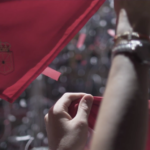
(84, 64)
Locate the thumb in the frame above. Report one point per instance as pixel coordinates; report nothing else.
(84, 108)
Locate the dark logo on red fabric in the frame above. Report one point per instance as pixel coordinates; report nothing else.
(6, 58)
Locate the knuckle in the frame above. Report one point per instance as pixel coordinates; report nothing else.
(54, 111)
(66, 94)
(82, 124)
(84, 107)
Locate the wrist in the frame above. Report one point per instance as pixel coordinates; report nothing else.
(138, 49)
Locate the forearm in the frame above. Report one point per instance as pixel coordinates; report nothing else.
(122, 120)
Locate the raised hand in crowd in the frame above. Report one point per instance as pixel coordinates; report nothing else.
(134, 16)
(123, 118)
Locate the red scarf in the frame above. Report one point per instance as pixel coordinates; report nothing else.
(32, 33)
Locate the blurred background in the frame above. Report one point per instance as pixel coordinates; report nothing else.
(84, 64)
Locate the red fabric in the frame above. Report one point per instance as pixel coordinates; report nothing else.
(94, 112)
(35, 32)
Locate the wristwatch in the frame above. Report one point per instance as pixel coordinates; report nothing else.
(137, 48)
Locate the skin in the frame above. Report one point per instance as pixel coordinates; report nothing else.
(137, 16)
(65, 132)
(122, 119)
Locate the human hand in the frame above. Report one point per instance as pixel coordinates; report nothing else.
(135, 17)
(65, 132)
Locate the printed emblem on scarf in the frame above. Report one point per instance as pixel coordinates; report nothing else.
(6, 58)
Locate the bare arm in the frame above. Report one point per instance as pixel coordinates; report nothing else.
(122, 119)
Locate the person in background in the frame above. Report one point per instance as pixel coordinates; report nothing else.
(123, 117)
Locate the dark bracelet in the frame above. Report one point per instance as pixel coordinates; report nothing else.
(139, 49)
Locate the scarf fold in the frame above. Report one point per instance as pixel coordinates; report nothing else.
(32, 33)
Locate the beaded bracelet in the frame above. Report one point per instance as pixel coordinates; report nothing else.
(131, 35)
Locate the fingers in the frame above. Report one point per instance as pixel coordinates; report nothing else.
(84, 109)
(64, 102)
(123, 22)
